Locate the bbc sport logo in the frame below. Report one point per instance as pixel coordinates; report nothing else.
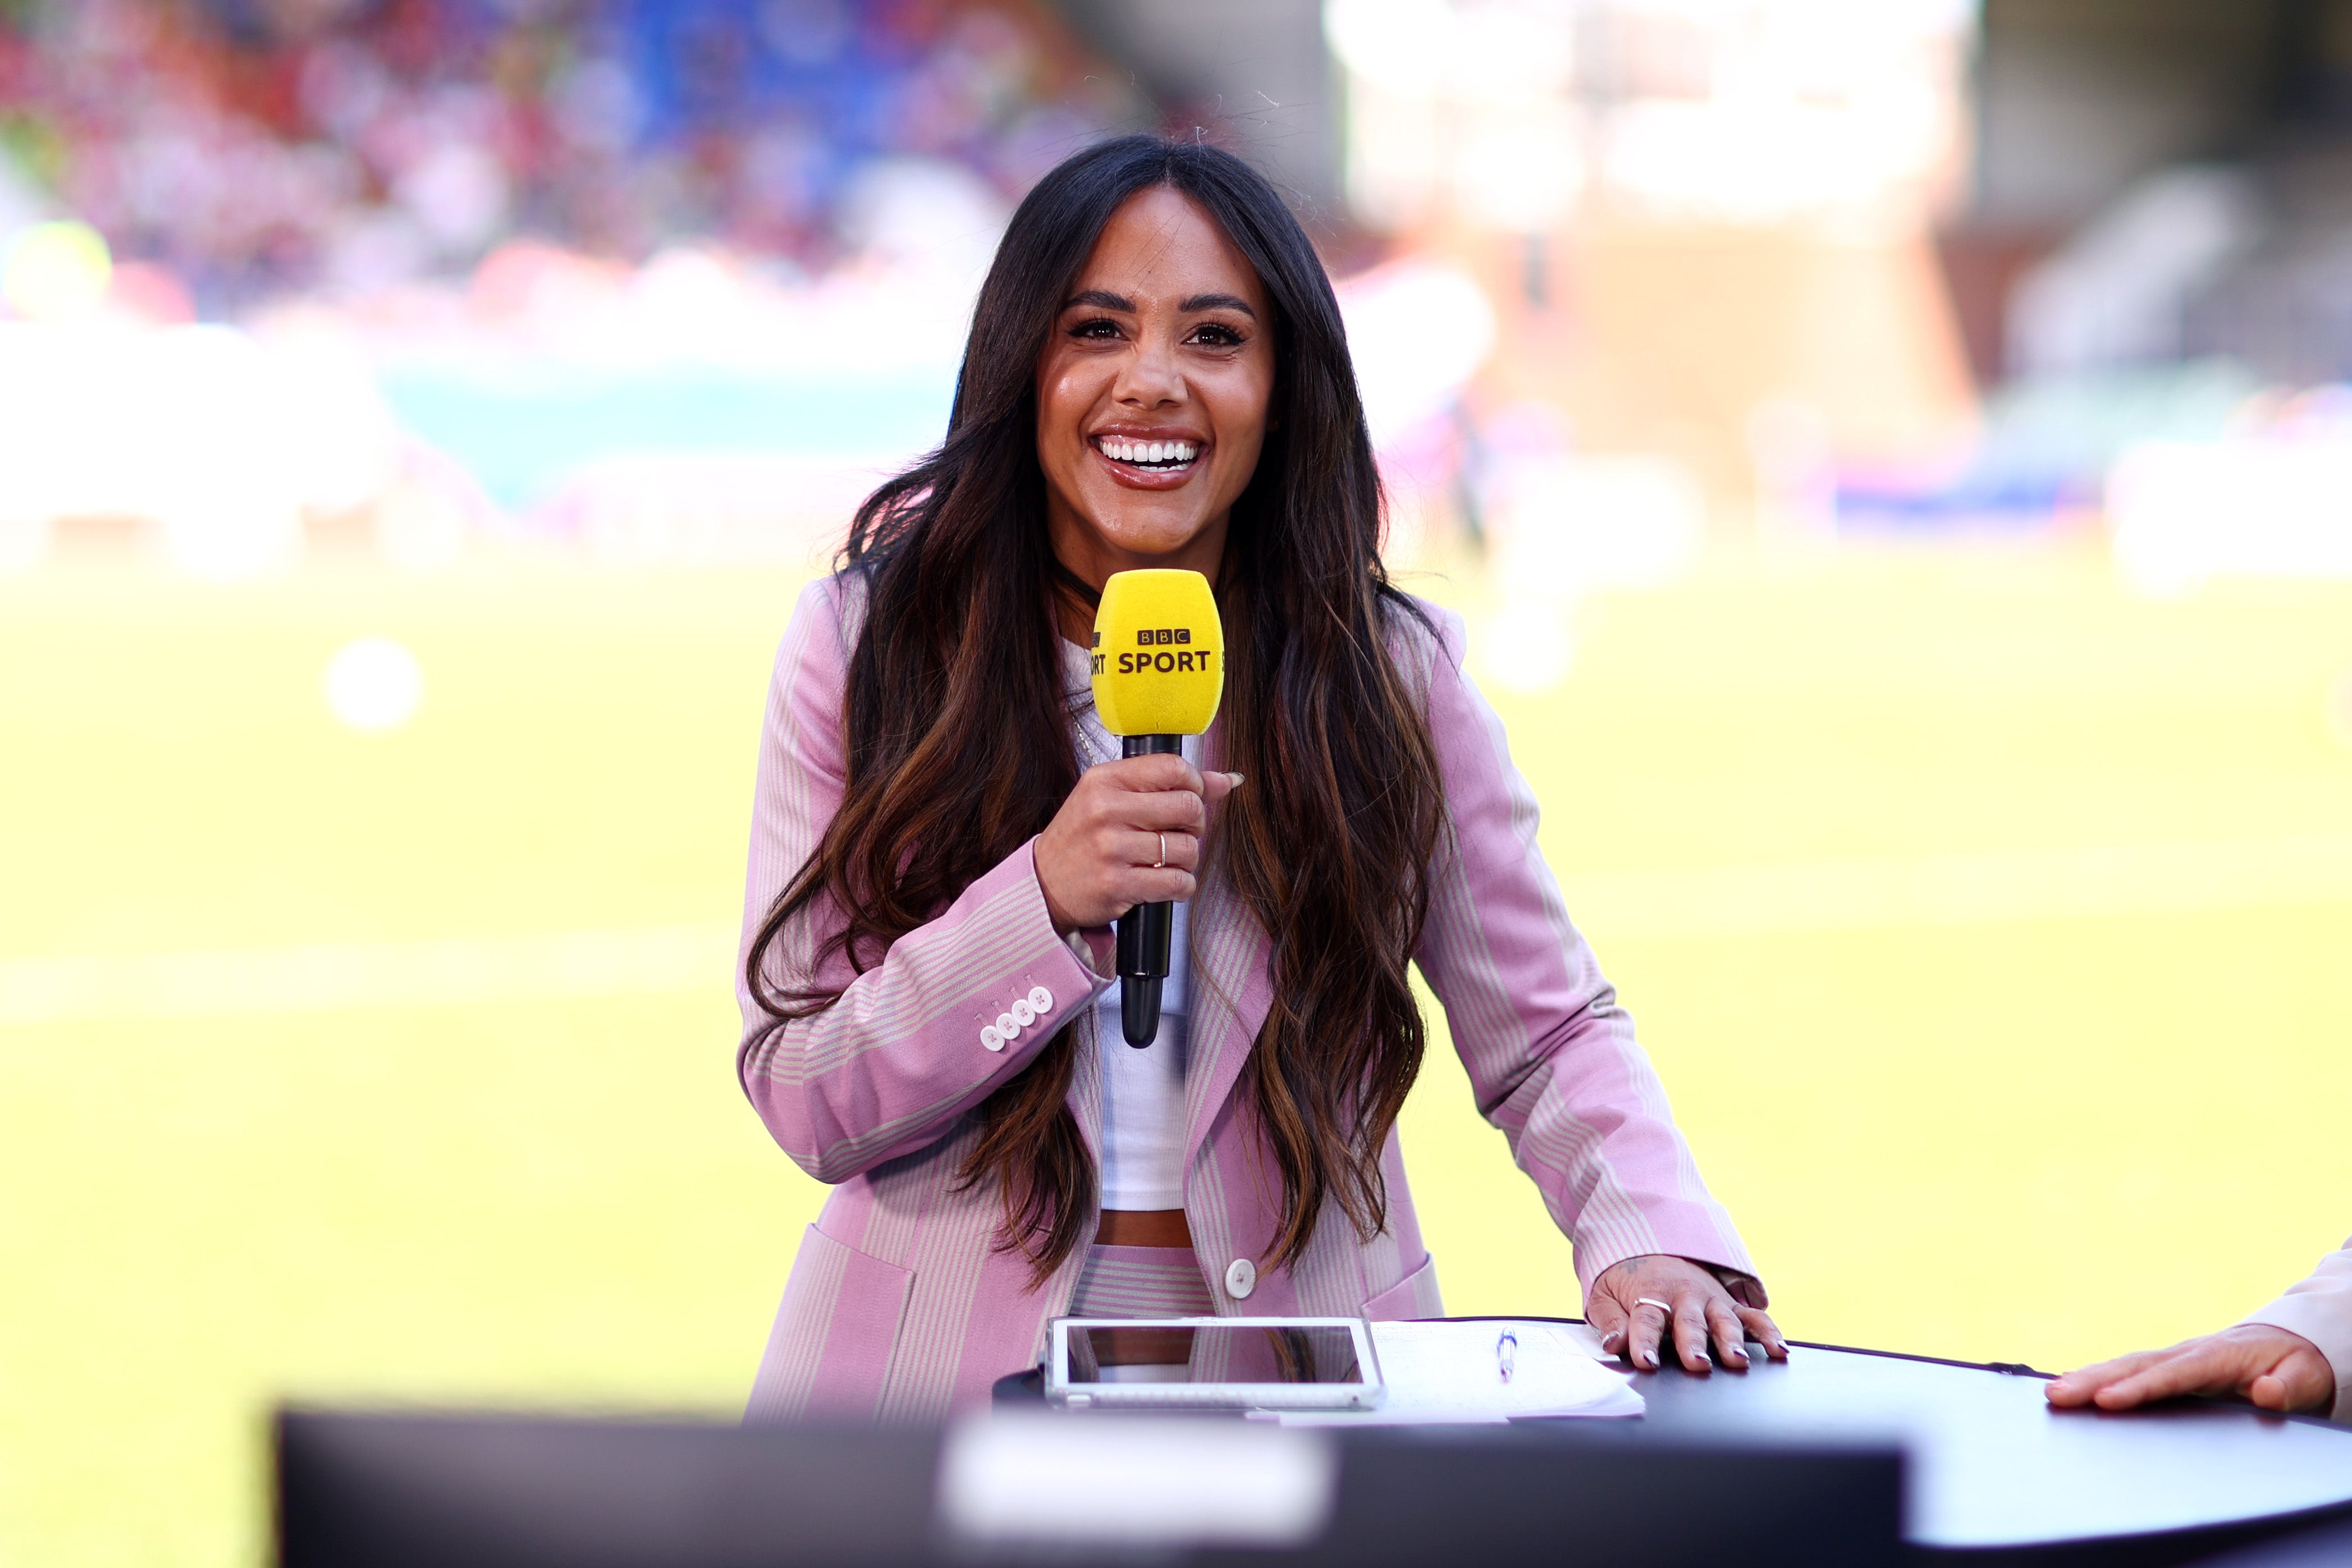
(1192, 661)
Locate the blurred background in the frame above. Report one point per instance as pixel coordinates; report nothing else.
(1895, 455)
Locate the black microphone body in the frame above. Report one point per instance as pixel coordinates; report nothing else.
(1144, 930)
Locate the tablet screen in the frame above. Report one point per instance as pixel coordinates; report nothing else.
(1218, 1353)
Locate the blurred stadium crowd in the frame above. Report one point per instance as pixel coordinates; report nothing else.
(677, 279)
(253, 148)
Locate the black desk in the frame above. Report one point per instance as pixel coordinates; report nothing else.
(395, 1491)
(1996, 1474)
(1779, 1464)
(1995, 1470)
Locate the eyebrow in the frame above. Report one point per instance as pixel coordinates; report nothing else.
(1217, 302)
(1104, 299)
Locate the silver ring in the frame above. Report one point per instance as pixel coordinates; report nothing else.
(1654, 1302)
(1162, 863)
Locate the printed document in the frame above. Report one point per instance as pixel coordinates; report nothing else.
(1452, 1374)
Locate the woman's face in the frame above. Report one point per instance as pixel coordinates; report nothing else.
(1153, 392)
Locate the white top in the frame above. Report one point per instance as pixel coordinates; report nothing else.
(1143, 1097)
(1142, 1088)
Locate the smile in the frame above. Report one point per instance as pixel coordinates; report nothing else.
(1157, 456)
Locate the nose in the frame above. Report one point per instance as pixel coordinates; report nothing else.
(1151, 376)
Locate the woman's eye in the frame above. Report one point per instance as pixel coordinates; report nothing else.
(1216, 336)
(1100, 327)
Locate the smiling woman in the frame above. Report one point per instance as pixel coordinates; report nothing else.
(1157, 377)
(1151, 396)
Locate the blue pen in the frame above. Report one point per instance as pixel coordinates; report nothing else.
(1506, 1350)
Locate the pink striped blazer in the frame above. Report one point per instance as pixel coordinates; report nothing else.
(900, 1307)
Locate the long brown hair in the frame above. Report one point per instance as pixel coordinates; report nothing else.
(958, 732)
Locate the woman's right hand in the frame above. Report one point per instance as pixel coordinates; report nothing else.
(1094, 858)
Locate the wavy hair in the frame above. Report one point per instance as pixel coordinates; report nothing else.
(958, 730)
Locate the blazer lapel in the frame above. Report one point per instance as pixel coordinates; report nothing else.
(1230, 994)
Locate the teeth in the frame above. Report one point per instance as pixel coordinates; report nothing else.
(1121, 450)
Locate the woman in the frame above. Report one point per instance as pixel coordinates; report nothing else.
(1156, 376)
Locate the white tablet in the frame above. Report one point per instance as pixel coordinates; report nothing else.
(1213, 1364)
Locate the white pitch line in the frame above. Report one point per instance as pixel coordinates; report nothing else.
(131, 987)
(1698, 903)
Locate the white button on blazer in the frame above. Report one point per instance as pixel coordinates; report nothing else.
(1025, 1011)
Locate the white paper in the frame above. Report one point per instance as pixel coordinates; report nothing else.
(1451, 1375)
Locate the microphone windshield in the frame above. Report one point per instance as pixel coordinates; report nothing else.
(1159, 654)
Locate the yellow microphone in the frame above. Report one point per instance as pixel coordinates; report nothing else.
(1159, 673)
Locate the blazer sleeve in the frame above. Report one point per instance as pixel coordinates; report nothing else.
(2320, 1310)
(1550, 1054)
(890, 1066)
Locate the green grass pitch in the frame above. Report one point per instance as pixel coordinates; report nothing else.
(2085, 1092)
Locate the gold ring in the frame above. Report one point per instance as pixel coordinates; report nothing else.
(1162, 863)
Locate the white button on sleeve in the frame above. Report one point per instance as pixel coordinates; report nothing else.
(1023, 1013)
(1008, 1026)
(991, 1039)
(1241, 1278)
(1042, 999)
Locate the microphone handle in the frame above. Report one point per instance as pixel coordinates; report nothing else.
(1144, 930)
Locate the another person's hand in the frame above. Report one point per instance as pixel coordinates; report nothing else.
(1096, 858)
(1624, 1309)
(2273, 1368)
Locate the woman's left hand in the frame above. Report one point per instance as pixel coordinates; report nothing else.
(1636, 1299)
